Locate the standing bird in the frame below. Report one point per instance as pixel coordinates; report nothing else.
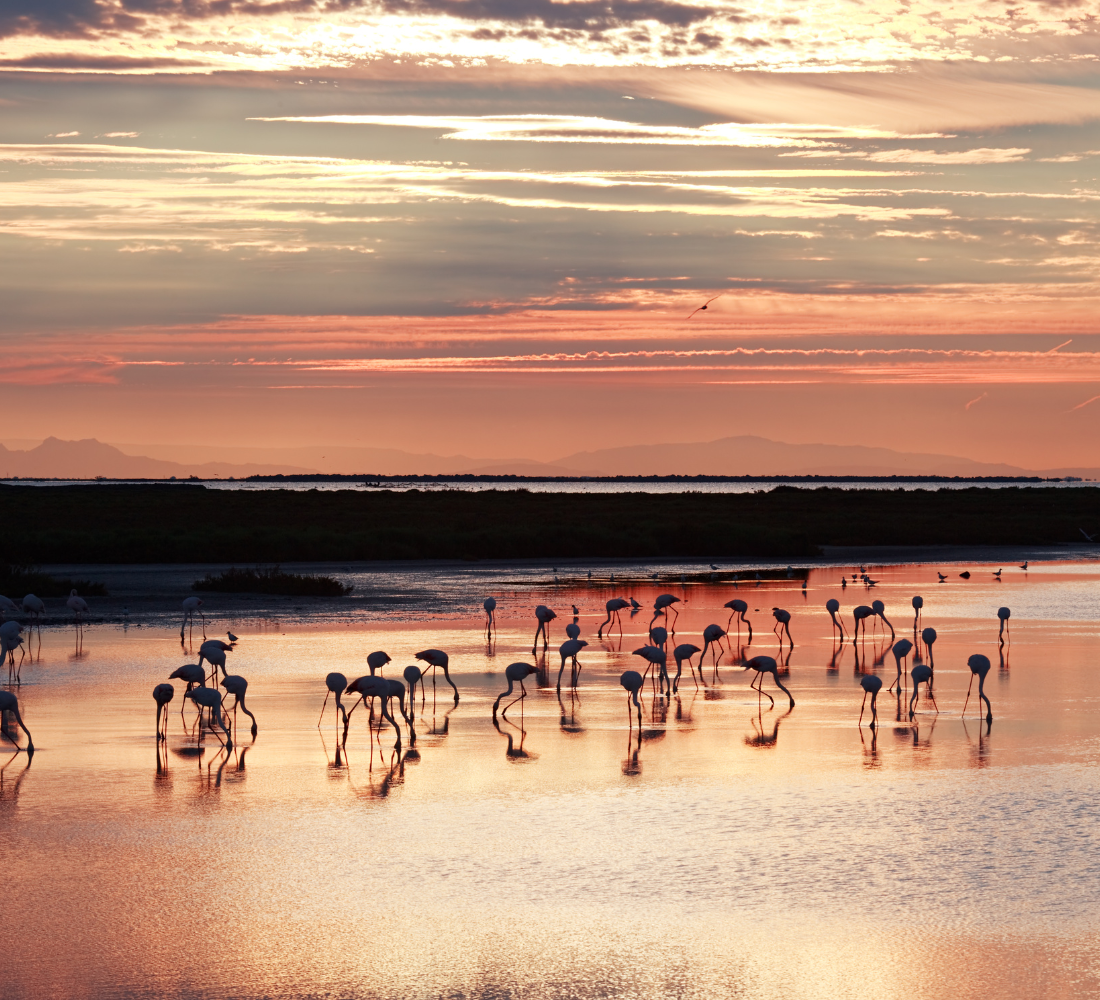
(7, 605)
(661, 606)
(437, 658)
(236, 685)
(190, 606)
(213, 651)
(413, 676)
(1000, 571)
(1023, 565)
(918, 604)
(979, 667)
(832, 605)
(162, 694)
(205, 697)
(782, 622)
(922, 674)
(928, 637)
(655, 657)
(1004, 614)
(231, 637)
(766, 665)
(569, 649)
(632, 681)
(545, 616)
(901, 649)
(490, 606)
(943, 579)
(685, 651)
(336, 683)
(77, 604)
(515, 673)
(871, 686)
(880, 609)
(9, 703)
(634, 605)
(572, 631)
(658, 636)
(377, 660)
(33, 606)
(712, 635)
(614, 606)
(8, 646)
(369, 686)
(860, 614)
(738, 607)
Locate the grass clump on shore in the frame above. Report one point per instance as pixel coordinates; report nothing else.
(271, 581)
(15, 581)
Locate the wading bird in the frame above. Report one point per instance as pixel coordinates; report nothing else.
(1004, 614)
(514, 673)
(655, 657)
(545, 616)
(685, 651)
(943, 579)
(832, 605)
(569, 650)
(1023, 565)
(33, 606)
(9, 703)
(738, 607)
(766, 665)
(336, 683)
(632, 681)
(901, 649)
(979, 667)
(162, 694)
(662, 605)
(922, 674)
(782, 623)
(880, 609)
(237, 686)
(7, 605)
(191, 606)
(614, 606)
(369, 686)
(860, 613)
(928, 637)
(918, 605)
(77, 604)
(231, 637)
(490, 606)
(998, 573)
(712, 636)
(437, 658)
(193, 675)
(413, 676)
(377, 660)
(658, 636)
(871, 686)
(965, 574)
(572, 631)
(205, 697)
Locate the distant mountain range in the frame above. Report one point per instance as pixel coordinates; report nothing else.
(731, 456)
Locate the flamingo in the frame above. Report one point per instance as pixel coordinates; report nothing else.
(928, 637)
(661, 606)
(545, 616)
(1004, 614)
(860, 614)
(632, 681)
(918, 604)
(871, 686)
(370, 686)
(33, 606)
(213, 651)
(190, 606)
(685, 651)
(766, 665)
(490, 606)
(515, 673)
(573, 630)
(922, 674)
(335, 683)
(9, 703)
(437, 658)
(570, 648)
(901, 649)
(832, 605)
(236, 685)
(205, 697)
(658, 636)
(377, 660)
(162, 694)
(880, 609)
(783, 618)
(413, 676)
(7, 605)
(738, 607)
(614, 606)
(8, 646)
(979, 667)
(77, 604)
(655, 657)
(712, 635)
(193, 675)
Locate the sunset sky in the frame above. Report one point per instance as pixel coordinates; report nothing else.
(480, 226)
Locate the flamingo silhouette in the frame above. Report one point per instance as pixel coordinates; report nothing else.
(514, 673)
(77, 604)
(782, 622)
(685, 651)
(632, 681)
(871, 686)
(880, 609)
(918, 604)
(162, 694)
(573, 630)
(614, 606)
(377, 660)
(979, 667)
(569, 649)
(1004, 614)
(369, 686)
(437, 658)
(33, 606)
(545, 616)
(193, 675)
(662, 605)
(655, 657)
(205, 697)
(922, 674)
(928, 637)
(766, 665)
(738, 607)
(712, 635)
(335, 683)
(901, 649)
(413, 676)
(237, 686)
(9, 703)
(191, 606)
(860, 613)
(832, 605)
(490, 606)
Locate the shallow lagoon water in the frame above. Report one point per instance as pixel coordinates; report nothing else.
(730, 850)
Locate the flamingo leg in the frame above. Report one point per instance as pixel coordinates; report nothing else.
(323, 704)
(861, 707)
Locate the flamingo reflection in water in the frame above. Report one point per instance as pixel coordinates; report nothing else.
(766, 665)
(514, 673)
(514, 753)
(761, 737)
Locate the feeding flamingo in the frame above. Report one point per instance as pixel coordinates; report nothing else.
(871, 686)
(766, 665)
(614, 606)
(545, 616)
(162, 694)
(832, 605)
(437, 658)
(685, 651)
(979, 667)
(514, 673)
(569, 649)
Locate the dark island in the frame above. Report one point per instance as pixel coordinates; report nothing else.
(180, 522)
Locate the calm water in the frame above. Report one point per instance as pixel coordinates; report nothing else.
(729, 850)
(597, 486)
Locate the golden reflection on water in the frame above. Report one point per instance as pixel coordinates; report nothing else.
(722, 849)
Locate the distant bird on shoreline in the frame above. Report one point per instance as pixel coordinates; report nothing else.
(77, 604)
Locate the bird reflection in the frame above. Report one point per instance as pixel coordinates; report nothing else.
(870, 753)
(1004, 658)
(632, 766)
(980, 756)
(568, 718)
(514, 753)
(337, 763)
(9, 787)
(379, 783)
(761, 737)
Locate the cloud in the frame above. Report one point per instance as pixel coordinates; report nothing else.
(980, 156)
(576, 128)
